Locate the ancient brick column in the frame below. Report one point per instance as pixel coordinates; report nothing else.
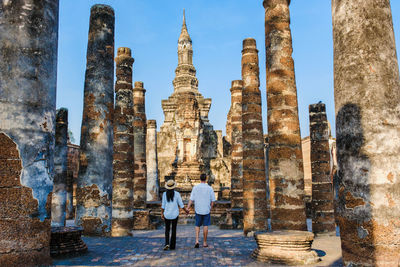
(123, 167)
(72, 175)
(323, 218)
(94, 185)
(69, 199)
(254, 183)
(153, 183)
(141, 215)
(59, 197)
(286, 178)
(367, 106)
(236, 154)
(28, 74)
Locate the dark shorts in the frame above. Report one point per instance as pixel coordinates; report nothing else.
(203, 220)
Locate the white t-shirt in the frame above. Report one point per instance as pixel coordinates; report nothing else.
(202, 195)
(171, 209)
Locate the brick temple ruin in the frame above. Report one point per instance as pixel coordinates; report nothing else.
(111, 184)
(187, 145)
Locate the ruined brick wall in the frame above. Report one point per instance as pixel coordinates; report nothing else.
(28, 74)
(367, 109)
(94, 187)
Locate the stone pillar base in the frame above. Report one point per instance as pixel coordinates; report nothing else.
(285, 247)
(141, 220)
(66, 241)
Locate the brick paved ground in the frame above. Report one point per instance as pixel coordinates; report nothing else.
(226, 248)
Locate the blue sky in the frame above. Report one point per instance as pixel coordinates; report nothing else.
(151, 29)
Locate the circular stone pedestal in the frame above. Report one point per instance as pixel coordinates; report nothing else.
(285, 247)
(66, 241)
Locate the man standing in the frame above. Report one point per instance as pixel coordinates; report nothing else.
(203, 197)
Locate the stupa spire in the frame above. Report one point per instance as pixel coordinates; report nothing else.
(184, 32)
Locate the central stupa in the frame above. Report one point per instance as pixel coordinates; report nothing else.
(186, 142)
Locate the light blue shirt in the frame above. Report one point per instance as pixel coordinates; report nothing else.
(202, 195)
(171, 209)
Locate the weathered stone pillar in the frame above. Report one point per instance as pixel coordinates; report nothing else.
(94, 185)
(367, 106)
(72, 176)
(323, 218)
(286, 178)
(141, 215)
(236, 154)
(28, 74)
(59, 197)
(153, 183)
(123, 166)
(69, 199)
(254, 183)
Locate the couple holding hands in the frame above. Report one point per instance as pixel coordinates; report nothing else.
(202, 196)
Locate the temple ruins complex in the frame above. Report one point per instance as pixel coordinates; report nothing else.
(286, 199)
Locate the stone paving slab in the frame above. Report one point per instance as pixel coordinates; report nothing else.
(145, 248)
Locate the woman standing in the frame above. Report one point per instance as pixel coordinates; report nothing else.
(171, 201)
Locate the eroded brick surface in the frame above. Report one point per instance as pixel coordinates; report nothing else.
(123, 158)
(139, 131)
(28, 74)
(254, 181)
(94, 185)
(322, 187)
(24, 239)
(72, 175)
(285, 157)
(367, 86)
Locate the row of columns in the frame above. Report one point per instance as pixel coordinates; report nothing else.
(366, 135)
(113, 142)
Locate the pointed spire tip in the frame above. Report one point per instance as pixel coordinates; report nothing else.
(184, 31)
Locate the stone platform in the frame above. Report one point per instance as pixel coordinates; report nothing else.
(66, 241)
(226, 248)
(285, 247)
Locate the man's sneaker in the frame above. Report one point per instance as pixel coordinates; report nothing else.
(166, 247)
